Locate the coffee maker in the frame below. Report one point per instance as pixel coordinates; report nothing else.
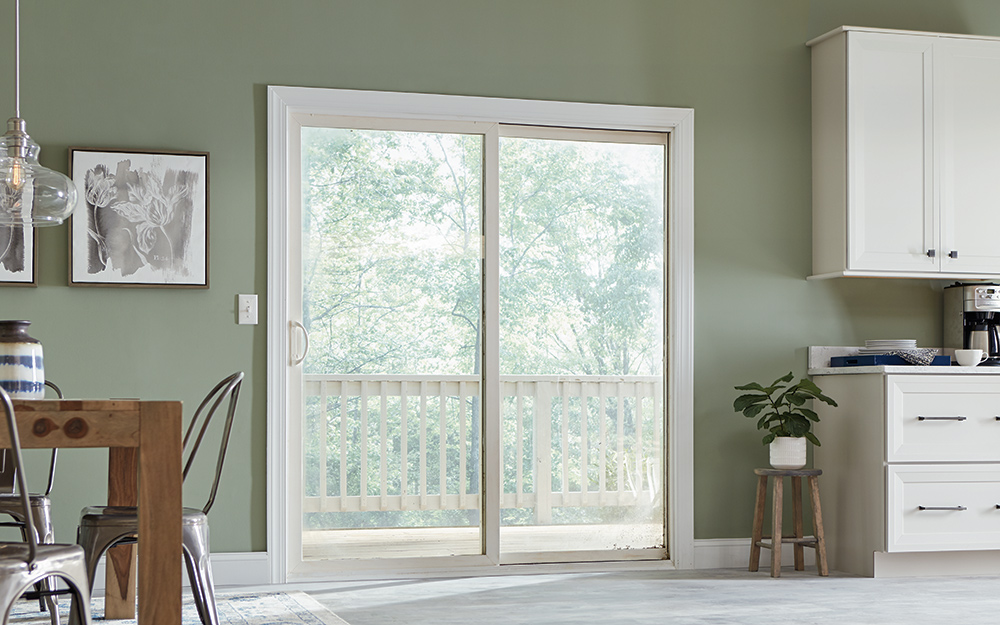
(972, 318)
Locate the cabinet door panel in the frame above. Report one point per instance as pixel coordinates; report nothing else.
(943, 507)
(967, 92)
(943, 418)
(892, 218)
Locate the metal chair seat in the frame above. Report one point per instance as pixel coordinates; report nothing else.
(126, 517)
(27, 564)
(103, 527)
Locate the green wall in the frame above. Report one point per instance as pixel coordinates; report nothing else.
(192, 75)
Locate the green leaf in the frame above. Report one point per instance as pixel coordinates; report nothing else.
(767, 439)
(751, 412)
(745, 401)
(784, 379)
(808, 385)
(753, 386)
(809, 414)
(812, 439)
(796, 399)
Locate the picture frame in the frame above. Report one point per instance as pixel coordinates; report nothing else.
(18, 256)
(142, 218)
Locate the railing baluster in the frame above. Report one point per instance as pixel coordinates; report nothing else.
(640, 474)
(660, 430)
(584, 451)
(443, 449)
(404, 457)
(364, 445)
(602, 419)
(541, 468)
(463, 478)
(620, 400)
(423, 444)
(565, 436)
(343, 445)
(519, 442)
(322, 433)
(383, 437)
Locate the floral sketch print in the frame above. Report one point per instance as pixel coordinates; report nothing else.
(138, 218)
(12, 249)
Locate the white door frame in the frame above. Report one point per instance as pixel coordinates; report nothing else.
(284, 103)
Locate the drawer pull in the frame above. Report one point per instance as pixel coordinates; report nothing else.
(923, 418)
(956, 508)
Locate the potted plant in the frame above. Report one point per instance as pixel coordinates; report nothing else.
(780, 410)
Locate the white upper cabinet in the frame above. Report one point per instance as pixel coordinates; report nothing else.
(906, 155)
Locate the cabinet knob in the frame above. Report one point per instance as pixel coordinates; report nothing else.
(953, 254)
(955, 508)
(955, 418)
(931, 253)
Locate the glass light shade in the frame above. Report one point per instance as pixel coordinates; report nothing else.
(30, 194)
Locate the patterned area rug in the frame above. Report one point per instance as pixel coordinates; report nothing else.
(272, 608)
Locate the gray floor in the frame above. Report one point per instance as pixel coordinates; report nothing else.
(674, 598)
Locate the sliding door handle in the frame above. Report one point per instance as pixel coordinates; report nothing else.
(305, 342)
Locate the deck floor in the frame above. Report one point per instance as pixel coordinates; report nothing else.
(442, 541)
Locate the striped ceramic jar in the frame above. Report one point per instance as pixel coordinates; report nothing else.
(22, 373)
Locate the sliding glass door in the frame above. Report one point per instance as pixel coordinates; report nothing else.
(400, 226)
(581, 342)
(391, 381)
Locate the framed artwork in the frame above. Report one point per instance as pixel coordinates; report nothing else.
(17, 256)
(142, 219)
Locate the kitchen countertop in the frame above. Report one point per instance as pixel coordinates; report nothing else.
(819, 364)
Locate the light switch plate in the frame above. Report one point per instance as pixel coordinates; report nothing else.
(246, 309)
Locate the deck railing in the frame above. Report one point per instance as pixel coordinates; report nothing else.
(410, 442)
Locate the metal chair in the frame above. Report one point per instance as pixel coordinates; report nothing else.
(26, 564)
(41, 511)
(103, 527)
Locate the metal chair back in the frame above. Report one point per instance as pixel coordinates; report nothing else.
(7, 466)
(229, 388)
(22, 483)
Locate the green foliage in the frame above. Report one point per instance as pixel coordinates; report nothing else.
(783, 414)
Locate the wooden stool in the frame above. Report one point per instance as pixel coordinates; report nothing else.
(817, 542)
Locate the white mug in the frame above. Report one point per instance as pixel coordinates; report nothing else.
(969, 357)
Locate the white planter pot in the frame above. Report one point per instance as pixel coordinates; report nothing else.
(788, 452)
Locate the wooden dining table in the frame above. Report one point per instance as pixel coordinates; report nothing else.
(144, 442)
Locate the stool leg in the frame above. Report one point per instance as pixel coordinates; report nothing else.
(800, 562)
(758, 523)
(821, 563)
(776, 527)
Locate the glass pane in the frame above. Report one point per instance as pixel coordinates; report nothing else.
(391, 301)
(581, 295)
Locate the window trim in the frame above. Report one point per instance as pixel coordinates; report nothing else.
(287, 105)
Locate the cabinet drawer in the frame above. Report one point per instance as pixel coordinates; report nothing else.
(943, 418)
(943, 507)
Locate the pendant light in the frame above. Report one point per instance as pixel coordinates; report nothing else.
(30, 195)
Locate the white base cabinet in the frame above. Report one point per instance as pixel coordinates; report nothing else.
(906, 146)
(911, 473)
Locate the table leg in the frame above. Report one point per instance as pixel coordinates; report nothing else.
(119, 594)
(758, 523)
(160, 513)
(797, 523)
(776, 527)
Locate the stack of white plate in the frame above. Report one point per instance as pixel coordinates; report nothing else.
(882, 346)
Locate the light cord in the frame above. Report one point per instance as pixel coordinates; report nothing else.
(17, 58)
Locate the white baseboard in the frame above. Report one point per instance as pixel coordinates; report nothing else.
(731, 553)
(228, 569)
(252, 569)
